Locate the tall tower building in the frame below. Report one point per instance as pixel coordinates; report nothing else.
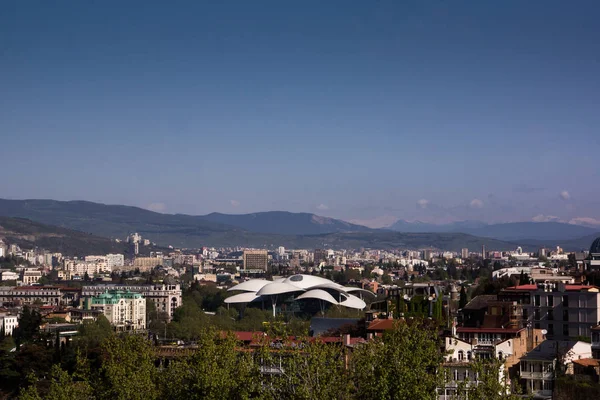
(483, 251)
(256, 259)
(464, 253)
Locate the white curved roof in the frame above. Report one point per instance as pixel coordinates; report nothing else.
(252, 285)
(278, 288)
(246, 297)
(319, 294)
(307, 281)
(351, 289)
(353, 302)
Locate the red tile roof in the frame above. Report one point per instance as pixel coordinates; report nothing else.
(381, 325)
(567, 287)
(588, 362)
(488, 330)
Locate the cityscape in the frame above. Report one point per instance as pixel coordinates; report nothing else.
(272, 200)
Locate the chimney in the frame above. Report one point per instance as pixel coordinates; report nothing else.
(346, 339)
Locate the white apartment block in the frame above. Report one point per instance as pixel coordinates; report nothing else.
(125, 310)
(77, 267)
(8, 324)
(166, 298)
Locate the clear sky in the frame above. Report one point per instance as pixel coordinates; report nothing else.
(361, 110)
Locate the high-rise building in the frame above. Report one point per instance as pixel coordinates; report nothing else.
(483, 251)
(464, 253)
(427, 254)
(320, 256)
(256, 259)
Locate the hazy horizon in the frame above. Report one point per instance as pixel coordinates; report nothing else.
(366, 112)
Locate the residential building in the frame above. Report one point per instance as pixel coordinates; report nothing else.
(9, 276)
(30, 276)
(320, 256)
(124, 309)
(537, 367)
(593, 262)
(596, 341)
(8, 323)
(47, 295)
(115, 261)
(166, 298)
(256, 259)
(146, 263)
(92, 267)
(464, 253)
(564, 311)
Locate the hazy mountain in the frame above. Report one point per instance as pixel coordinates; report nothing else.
(194, 231)
(418, 226)
(580, 244)
(508, 231)
(29, 234)
(286, 223)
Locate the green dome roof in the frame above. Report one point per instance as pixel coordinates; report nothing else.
(595, 247)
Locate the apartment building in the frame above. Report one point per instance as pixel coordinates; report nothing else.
(124, 309)
(564, 311)
(166, 298)
(538, 367)
(256, 260)
(8, 323)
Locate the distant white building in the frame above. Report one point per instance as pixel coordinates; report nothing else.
(29, 276)
(9, 276)
(114, 261)
(8, 323)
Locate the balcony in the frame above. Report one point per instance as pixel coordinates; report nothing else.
(547, 375)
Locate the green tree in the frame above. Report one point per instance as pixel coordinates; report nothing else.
(218, 371)
(403, 364)
(306, 370)
(462, 300)
(491, 383)
(128, 371)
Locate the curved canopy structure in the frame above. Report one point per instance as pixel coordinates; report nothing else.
(353, 302)
(351, 289)
(253, 285)
(314, 287)
(278, 288)
(318, 294)
(242, 298)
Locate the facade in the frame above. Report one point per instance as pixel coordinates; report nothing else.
(8, 323)
(166, 298)
(125, 310)
(464, 253)
(256, 259)
(47, 295)
(320, 256)
(593, 262)
(115, 261)
(92, 267)
(596, 341)
(537, 368)
(564, 311)
(146, 263)
(30, 276)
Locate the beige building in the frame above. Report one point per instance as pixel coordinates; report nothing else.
(256, 259)
(124, 310)
(147, 263)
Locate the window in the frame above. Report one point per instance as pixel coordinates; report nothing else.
(550, 329)
(536, 300)
(550, 315)
(565, 300)
(536, 314)
(565, 315)
(565, 329)
(461, 355)
(550, 301)
(469, 355)
(500, 355)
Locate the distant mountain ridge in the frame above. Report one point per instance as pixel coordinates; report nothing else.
(510, 231)
(29, 234)
(285, 223)
(267, 229)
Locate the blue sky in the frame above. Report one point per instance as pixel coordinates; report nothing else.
(366, 111)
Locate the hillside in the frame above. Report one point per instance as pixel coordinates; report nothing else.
(286, 223)
(179, 230)
(28, 234)
(512, 231)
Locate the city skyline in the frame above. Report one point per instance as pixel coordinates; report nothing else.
(363, 112)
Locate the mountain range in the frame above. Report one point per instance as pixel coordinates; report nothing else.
(511, 231)
(279, 228)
